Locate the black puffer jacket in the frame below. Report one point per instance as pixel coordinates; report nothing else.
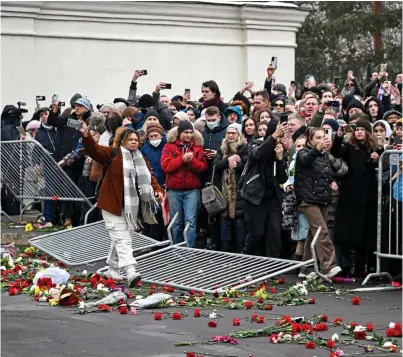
(221, 164)
(313, 176)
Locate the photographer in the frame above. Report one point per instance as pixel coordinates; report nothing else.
(10, 119)
(260, 188)
(66, 141)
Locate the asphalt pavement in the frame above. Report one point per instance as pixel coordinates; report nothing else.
(30, 329)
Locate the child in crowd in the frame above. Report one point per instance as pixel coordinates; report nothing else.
(293, 220)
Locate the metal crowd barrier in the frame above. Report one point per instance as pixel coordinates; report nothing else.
(86, 244)
(393, 209)
(210, 271)
(30, 172)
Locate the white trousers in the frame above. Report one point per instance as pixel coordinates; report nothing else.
(121, 252)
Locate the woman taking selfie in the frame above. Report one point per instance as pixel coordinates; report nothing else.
(313, 191)
(127, 195)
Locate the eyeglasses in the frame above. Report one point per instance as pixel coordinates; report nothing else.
(281, 105)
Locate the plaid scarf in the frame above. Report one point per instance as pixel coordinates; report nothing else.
(137, 177)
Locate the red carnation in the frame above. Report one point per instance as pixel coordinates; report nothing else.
(330, 344)
(370, 327)
(393, 332)
(274, 338)
(360, 335)
(268, 307)
(323, 318)
(353, 324)
(123, 310)
(212, 323)
(260, 320)
(191, 354)
(307, 328)
(281, 281)
(216, 294)
(248, 304)
(158, 316)
(196, 313)
(226, 300)
(311, 300)
(398, 326)
(13, 291)
(356, 300)
(201, 294)
(168, 289)
(310, 344)
(182, 302)
(236, 322)
(192, 292)
(104, 307)
(396, 284)
(55, 198)
(296, 328)
(321, 327)
(176, 316)
(260, 301)
(140, 283)
(337, 321)
(254, 317)
(273, 290)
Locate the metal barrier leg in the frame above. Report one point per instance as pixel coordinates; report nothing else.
(25, 208)
(315, 263)
(7, 216)
(169, 229)
(185, 234)
(88, 213)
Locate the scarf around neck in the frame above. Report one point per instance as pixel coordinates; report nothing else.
(138, 192)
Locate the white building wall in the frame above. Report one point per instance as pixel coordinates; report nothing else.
(94, 47)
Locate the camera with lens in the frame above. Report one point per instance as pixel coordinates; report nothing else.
(20, 105)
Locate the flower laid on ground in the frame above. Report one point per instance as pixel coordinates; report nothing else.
(133, 310)
(323, 318)
(196, 313)
(335, 337)
(254, 317)
(225, 339)
(337, 353)
(268, 307)
(337, 321)
(260, 320)
(158, 316)
(212, 323)
(273, 290)
(248, 304)
(104, 308)
(123, 310)
(369, 348)
(360, 335)
(356, 300)
(176, 316)
(390, 346)
(310, 344)
(274, 338)
(212, 315)
(311, 300)
(330, 344)
(370, 327)
(236, 322)
(321, 327)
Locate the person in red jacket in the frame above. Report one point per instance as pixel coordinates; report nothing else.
(183, 160)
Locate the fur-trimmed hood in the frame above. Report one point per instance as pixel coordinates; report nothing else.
(231, 149)
(172, 136)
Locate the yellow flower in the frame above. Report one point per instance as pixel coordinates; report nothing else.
(261, 293)
(28, 227)
(29, 249)
(37, 290)
(53, 302)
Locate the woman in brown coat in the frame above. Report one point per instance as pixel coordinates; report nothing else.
(128, 192)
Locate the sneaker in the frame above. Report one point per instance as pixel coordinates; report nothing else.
(41, 220)
(309, 276)
(133, 277)
(333, 272)
(114, 274)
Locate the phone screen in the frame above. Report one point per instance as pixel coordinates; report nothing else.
(328, 134)
(168, 86)
(274, 62)
(187, 91)
(21, 130)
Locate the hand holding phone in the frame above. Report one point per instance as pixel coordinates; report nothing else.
(143, 72)
(274, 62)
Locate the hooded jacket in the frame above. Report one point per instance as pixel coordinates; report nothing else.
(380, 107)
(181, 175)
(10, 118)
(235, 110)
(213, 138)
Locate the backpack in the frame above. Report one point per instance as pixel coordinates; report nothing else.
(213, 200)
(101, 177)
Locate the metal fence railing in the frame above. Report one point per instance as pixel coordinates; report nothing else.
(389, 212)
(30, 172)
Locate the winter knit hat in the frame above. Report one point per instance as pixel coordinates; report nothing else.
(181, 116)
(33, 124)
(362, 123)
(280, 88)
(346, 101)
(146, 101)
(83, 102)
(390, 112)
(355, 104)
(185, 125)
(74, 99)
(151, 113)
(154, 128)
(237, 127)
(333, 124)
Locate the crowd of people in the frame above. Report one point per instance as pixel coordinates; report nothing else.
(285, 161)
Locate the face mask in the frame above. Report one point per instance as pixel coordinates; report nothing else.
(155, 143)
(212, 125)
